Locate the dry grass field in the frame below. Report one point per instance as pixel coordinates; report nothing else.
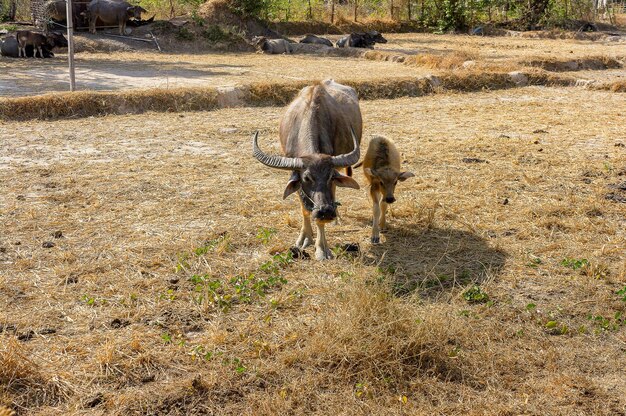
(127, 70)
(143, 266)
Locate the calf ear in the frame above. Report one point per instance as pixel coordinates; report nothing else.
(405, 175)
(345, 181)
(293, 185)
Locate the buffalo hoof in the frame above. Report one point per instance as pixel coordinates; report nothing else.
(375, 240)
(303, 241)
(323, 254)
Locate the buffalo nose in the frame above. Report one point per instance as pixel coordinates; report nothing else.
(326, 213)
(390, 200)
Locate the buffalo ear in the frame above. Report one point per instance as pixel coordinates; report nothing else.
(293, 185)
(405, 175)
(345, 181)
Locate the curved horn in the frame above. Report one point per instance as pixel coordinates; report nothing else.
(278, 162)
(351, 158)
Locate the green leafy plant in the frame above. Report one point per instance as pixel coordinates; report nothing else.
(574, 264)
(265, 234)
(475, 295)
(622, 293)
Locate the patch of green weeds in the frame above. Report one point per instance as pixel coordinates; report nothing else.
(622, 293)
(573, 263)
(475, 294)
(265, 234)
(610, 324)
(185, 34)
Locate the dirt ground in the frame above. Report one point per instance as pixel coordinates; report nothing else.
(124, 239)
(122, 70)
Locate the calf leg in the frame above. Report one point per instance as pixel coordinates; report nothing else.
(306, 233)
(322, 252)
(383, 215)
(375, 195)
(40, 52)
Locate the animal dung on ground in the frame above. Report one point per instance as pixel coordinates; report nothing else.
(473, 160)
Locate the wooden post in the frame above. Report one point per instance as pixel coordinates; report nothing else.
(70, 44)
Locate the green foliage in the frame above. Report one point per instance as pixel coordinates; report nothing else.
(265, 234)
(214, 33)
(610, 324)
(574, 264)
(475, 295)
(243, 288)
(622, 293)
(185, 34)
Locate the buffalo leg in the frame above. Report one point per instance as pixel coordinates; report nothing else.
(122, 28)
(322, 252)
(306, 233)
(376, 211)
(40, 52)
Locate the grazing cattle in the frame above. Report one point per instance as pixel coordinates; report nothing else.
(309, 38)
(319, 133)
(381, 166)
(38, 41)
(361, 40)
(271, 46)
(112, 12)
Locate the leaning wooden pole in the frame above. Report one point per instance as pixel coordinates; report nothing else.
(70, 44)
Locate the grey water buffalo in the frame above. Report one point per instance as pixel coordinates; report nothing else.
(361, 39)
(55, 10)
(310, 38)
(319, 133)
(271, 46)
(381, 167)
(38, 42)
(112, 12)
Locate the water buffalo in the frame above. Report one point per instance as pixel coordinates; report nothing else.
(32, 43)
(319, 133)
(381, 167)
(309, 38)
(56, 10)
(271, 46)
(9, 46)
(361, 40)
(112, 12)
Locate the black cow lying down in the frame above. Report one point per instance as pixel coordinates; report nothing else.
(9, 46)
(361, 40)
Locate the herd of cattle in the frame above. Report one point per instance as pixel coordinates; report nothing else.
(319, 134)
(355, 40)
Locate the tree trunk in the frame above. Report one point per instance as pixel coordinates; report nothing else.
(12, 10)
(356, 3)
(408, 8)
(310, 11)
(391, 9)
(332, 12)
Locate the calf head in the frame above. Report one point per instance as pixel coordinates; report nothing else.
(316, 177)
(386, 180)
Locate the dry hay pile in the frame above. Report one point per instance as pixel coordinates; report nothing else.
(85, 104)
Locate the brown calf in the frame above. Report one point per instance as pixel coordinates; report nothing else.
(25, 38)
(382, 170)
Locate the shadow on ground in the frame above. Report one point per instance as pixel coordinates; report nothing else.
(433, 260)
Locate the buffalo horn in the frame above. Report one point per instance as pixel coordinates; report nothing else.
(278, 162)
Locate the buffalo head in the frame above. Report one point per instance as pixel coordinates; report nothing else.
(56, 40)
(316, 177)
(135, 12)
(375, 37)
(387, 178)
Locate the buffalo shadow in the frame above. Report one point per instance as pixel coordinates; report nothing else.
(434, 260)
